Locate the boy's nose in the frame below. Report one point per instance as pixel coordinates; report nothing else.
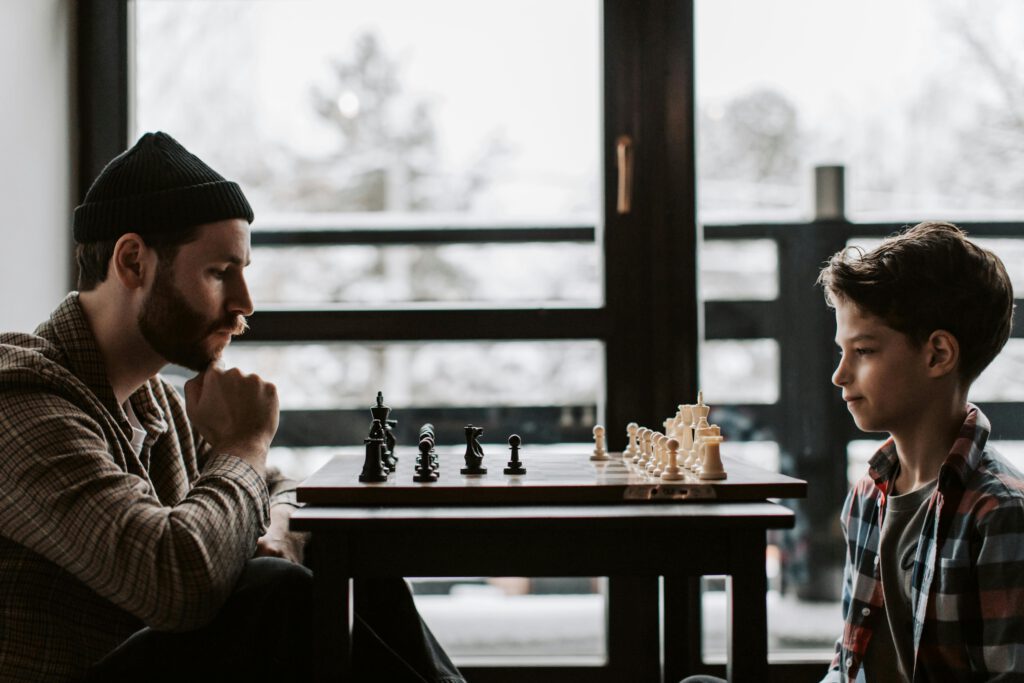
(840, 376)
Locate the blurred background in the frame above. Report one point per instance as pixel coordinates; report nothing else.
(450, 155)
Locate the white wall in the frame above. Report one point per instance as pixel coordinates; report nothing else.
(36, 158)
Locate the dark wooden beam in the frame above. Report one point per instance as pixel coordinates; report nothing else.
(425, 324)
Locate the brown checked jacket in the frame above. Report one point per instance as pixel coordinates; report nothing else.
(96, 541)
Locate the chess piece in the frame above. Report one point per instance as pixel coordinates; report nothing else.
(427, 432)
(641, 435)
(655, 454)
(381, 412)
(648, 450)
(712, 467)
(514, 466)
(686, 431)
(631, 449)
(474, 451)
(700, 417)
(672, 471)
(374, 469)
(424, 467)
(600, 454)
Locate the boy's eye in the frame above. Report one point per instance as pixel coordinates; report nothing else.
(863, 352)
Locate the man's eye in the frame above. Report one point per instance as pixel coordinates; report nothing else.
(220, 274)
(864, 352)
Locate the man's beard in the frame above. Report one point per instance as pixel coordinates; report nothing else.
(177, 331)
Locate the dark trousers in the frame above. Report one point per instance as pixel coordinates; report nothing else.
(264, 633)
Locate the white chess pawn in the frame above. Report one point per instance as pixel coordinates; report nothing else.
(654, 468)
(600, 454)
(641, 436)
(712, 468)
(645, 445)
(652, 454)
(672, 471)
(631, 449)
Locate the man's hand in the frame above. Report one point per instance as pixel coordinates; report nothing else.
(278, 541)
(236, 413)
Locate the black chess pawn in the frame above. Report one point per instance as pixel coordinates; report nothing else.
(474, 451)
(374, 469)
(424, 466)
(514, 465)
(427, 432)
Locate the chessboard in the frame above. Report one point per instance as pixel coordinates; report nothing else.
(566, 478)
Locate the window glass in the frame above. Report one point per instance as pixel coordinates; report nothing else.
(465, 273)
(743, 270)
(740, 371)
(922, 119)
(359, 110)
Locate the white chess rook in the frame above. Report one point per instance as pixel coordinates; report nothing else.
(712, 468)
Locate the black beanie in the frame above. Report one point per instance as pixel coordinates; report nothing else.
(156, 186)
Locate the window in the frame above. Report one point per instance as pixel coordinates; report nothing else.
(445, 192)
(786, 91)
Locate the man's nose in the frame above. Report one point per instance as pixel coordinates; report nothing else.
(241, 301)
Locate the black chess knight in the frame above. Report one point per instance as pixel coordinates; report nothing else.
(474, 451)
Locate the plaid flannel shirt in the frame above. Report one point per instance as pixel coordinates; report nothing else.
(967, 581)
(95, 540)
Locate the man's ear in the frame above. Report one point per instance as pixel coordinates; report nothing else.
(943, 353)
(132, 260)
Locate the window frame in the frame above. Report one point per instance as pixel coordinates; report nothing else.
(650, 357)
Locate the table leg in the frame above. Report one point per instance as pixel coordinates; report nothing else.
(332, 614)
(634, 650)
(682, 635)
(747, 638)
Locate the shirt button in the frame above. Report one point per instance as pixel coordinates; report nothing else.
(865, 611)
(876, 560)
(849, 662)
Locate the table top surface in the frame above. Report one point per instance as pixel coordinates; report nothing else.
(550, 479)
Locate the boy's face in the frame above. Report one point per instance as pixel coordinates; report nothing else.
(200, 300)
(883, 375)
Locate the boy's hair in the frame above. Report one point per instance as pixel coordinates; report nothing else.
(94, 257)
(928, 278)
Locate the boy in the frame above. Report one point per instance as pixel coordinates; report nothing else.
(934, 576)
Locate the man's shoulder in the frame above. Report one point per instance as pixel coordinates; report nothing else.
(29, 358)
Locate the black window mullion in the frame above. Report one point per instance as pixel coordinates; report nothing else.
(427, 324)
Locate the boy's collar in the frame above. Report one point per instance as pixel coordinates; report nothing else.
(963, 458)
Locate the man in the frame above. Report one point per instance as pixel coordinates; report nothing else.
(128, 517)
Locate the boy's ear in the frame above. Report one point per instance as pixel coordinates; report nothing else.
(943, 353)
(131, 260)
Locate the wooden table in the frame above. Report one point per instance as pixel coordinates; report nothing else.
(633, 543)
